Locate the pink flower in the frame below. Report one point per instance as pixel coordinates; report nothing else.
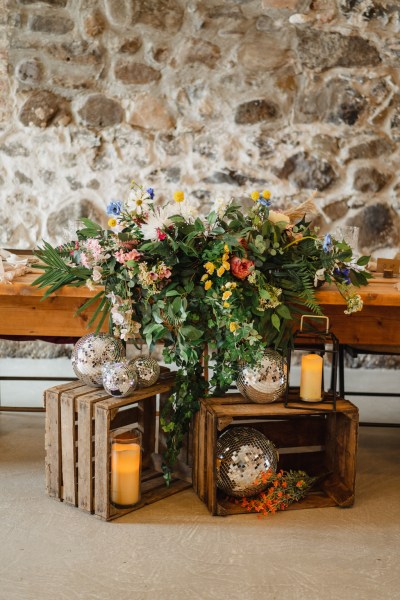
(94, 246)
(122, 256)
(85, 260)
(164, 272)
(132, 255)
(241, 267)
(161, 235)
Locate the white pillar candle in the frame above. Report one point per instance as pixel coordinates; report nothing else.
(125, 473)
(311, 378)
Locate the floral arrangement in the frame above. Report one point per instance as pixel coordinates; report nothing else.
(284, 488)
(228, 284)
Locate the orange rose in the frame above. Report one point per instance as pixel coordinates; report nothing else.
(241, 267)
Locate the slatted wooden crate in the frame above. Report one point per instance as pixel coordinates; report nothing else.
(79, 420)
(323, 444)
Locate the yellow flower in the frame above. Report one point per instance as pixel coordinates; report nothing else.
(208, 284)
(225, 256)
(233, 326)
(220, 271)
(266, 194)
(112, 222)
(226, 295)
(179, 196)
(209, 267)
(255, 196)
(226, 265)
(226, 305)
(226, 248)
(205, 277)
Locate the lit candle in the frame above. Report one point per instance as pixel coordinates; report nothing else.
(311, 378)
(125, 473)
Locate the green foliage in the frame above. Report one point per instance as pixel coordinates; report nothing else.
(227, 286)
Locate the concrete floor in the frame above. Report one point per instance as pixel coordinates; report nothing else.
(175, 550)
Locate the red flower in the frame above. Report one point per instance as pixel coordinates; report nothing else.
(161, 235)
(241, 267)
(243, 242)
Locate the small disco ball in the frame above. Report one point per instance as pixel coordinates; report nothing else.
(243, 455)
(119, 378)
(91, 352)
(266, 381)
(148, 370)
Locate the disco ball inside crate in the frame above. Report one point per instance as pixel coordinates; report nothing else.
(244, 454)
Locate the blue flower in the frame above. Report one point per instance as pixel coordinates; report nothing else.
(264, 202)
(344, 272)
(150, 192)
(114, 208)
(327, 245)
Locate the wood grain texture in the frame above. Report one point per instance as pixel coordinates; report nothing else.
(69, 457)
(23, 313)
(78, 429)
(53, 439)
(102, 462)
(323, 443)
(84, 411)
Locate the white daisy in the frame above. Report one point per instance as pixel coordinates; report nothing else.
(158, 219)
(220, 206)
(138, 201)
(188, 212)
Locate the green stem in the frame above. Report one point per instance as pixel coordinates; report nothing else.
(306, 237)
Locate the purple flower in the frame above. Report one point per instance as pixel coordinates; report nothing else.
(150, 192)
(114, 208)
(344, 272)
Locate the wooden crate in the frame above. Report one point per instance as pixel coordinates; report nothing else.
(79, 420)
(322, 443)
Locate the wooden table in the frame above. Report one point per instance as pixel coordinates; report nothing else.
(24, 313)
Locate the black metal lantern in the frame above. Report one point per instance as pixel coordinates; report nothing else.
(315, 345)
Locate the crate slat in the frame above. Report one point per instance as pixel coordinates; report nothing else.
(84, 408)
(79, 422)
(324, 444)
(53, 437)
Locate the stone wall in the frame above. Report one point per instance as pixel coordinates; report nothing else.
(212, 97)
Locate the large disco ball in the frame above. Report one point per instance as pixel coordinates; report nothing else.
(266, 381)
(119, 378)
(91, 352)
(243, 455)
(148, 370)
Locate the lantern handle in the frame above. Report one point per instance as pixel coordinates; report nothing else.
(314, 317)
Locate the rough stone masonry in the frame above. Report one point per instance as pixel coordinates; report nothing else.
(216, 98)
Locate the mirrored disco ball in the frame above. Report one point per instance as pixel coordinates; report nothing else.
(119, 378)
(266, 381)
(148, 370)
(91, 352)
(243, 455)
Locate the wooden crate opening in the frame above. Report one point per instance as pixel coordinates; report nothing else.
(322, 444)
(79, 420)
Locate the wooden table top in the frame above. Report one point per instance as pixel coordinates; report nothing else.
(379, 292)
(24, 313)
